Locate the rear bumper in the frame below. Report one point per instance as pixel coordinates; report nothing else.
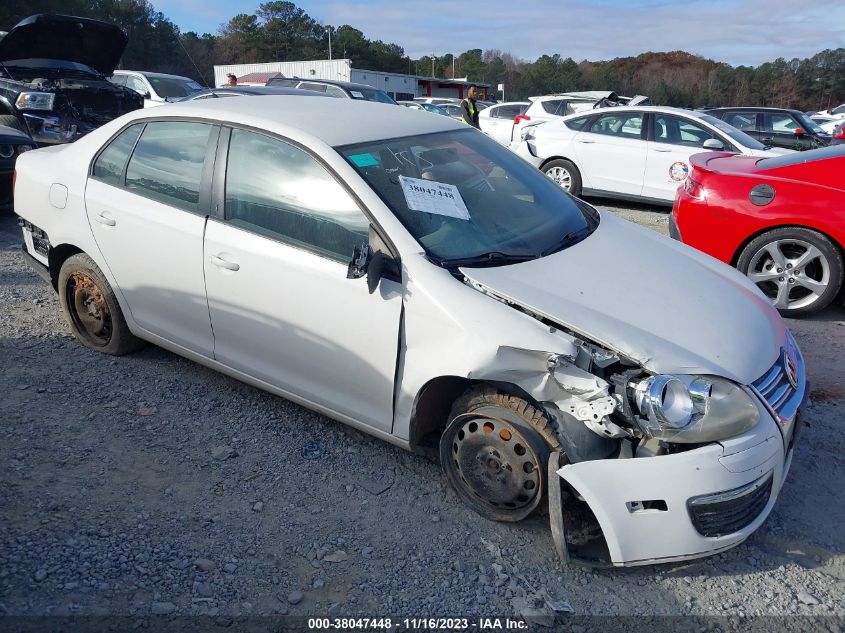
(38, 268)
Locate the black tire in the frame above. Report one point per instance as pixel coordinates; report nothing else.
(92, 309)
(796, 287)
(562, 165)
(494, 453)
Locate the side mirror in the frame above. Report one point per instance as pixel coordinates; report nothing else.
(799, 131)
(714, 144)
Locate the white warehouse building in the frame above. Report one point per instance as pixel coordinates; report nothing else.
(397, 85)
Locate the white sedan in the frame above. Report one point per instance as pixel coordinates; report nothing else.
(411, 277)
(627, 152)
(497, 121)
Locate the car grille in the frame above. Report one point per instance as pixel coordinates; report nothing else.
(730, 511)
(775, 387)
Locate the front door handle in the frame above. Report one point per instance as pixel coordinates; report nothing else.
(661, 149)
(102, 218)
(222, 263)
(584, 140)
(767, 139)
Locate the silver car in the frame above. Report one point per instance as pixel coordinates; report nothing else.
(409, 276)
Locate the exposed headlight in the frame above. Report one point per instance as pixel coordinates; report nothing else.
(7, 151)
(691, 409)
(35, 100)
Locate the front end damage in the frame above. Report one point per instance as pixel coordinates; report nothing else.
(628, 485)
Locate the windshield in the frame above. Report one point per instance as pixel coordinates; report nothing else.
(173, 87)
(464, 196)
(430, 107)
(808, 124)
(62, 65)
(370, 94)
(737, 135)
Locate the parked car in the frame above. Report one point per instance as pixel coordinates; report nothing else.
(555, 106)
(640, 153)
(416, 280)
(342, 89)
(838, 136)
(441, 101)
(497, 120)
(825, 122)
(156, 88)
(838, 112)
(249, 91)
(52, 77)
(781, 221)
(427, 107)
(775, 127)
(454, 110)
(13, 143)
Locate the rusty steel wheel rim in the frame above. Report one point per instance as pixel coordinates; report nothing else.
(497, 465)
(88, 309)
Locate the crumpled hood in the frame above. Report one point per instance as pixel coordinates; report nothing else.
(659, 302)
(93, 43)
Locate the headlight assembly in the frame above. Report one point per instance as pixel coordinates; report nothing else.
(692, 409)
(35, 101)
(7, 151)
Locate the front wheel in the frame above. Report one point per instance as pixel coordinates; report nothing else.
(494, 453)
(799, 269)
(564, 174)
(92, 310)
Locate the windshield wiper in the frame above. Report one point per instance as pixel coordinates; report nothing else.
(567, 240)
(492, 258)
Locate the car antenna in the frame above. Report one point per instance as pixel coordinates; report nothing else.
(179, 39)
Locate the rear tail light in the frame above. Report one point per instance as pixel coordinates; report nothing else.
(693, 188)
(519, 118)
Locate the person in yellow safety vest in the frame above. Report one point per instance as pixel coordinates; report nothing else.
(469, 109)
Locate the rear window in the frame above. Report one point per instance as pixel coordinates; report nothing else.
(796, 158)
(111, 161)
(552, 105)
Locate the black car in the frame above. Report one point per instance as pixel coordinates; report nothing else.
(342, 89)
(53, 82)
(775, 127)
(250, 91)
(13, 142)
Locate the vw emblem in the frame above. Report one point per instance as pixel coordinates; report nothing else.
(790, 367)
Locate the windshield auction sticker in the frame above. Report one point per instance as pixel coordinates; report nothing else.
(434, 197)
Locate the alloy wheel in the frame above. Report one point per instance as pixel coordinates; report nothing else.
(561, 177)
(792, 273)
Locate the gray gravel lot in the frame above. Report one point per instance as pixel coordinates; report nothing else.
(148, 484)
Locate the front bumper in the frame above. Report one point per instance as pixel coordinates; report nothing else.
(682, 506)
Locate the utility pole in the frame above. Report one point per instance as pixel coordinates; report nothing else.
(432, 64)
(329, 31)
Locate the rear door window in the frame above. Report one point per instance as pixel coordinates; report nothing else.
(168, 161)
(110, 163)
(621, 124)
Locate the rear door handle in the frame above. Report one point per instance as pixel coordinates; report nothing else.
(661, 149)
(102, 218)
(584, 140)
(222, 263)
(767, 139)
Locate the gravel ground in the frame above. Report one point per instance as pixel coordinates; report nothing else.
(148, 485)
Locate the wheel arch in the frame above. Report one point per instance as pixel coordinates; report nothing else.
(774, 227)
(551, 158)
(57, 256)
(430, 413)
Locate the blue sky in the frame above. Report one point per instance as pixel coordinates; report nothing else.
(733, 31)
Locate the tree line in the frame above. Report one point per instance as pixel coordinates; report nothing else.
(282, 31)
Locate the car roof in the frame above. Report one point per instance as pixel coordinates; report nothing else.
(756, 108)
(149, 74)
(340, 84)
(256, 90)
(644, 108)
(324, 119)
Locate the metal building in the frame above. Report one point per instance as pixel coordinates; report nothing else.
(397, 85)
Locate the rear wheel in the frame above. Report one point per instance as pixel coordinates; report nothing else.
(494, 453)
(564, 174)
(799, 269)
(92, 309)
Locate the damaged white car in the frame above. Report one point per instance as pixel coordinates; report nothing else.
(410, 277)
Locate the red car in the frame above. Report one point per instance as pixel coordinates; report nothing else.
(781, 221)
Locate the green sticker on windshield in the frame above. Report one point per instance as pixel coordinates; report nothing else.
(364, 160)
